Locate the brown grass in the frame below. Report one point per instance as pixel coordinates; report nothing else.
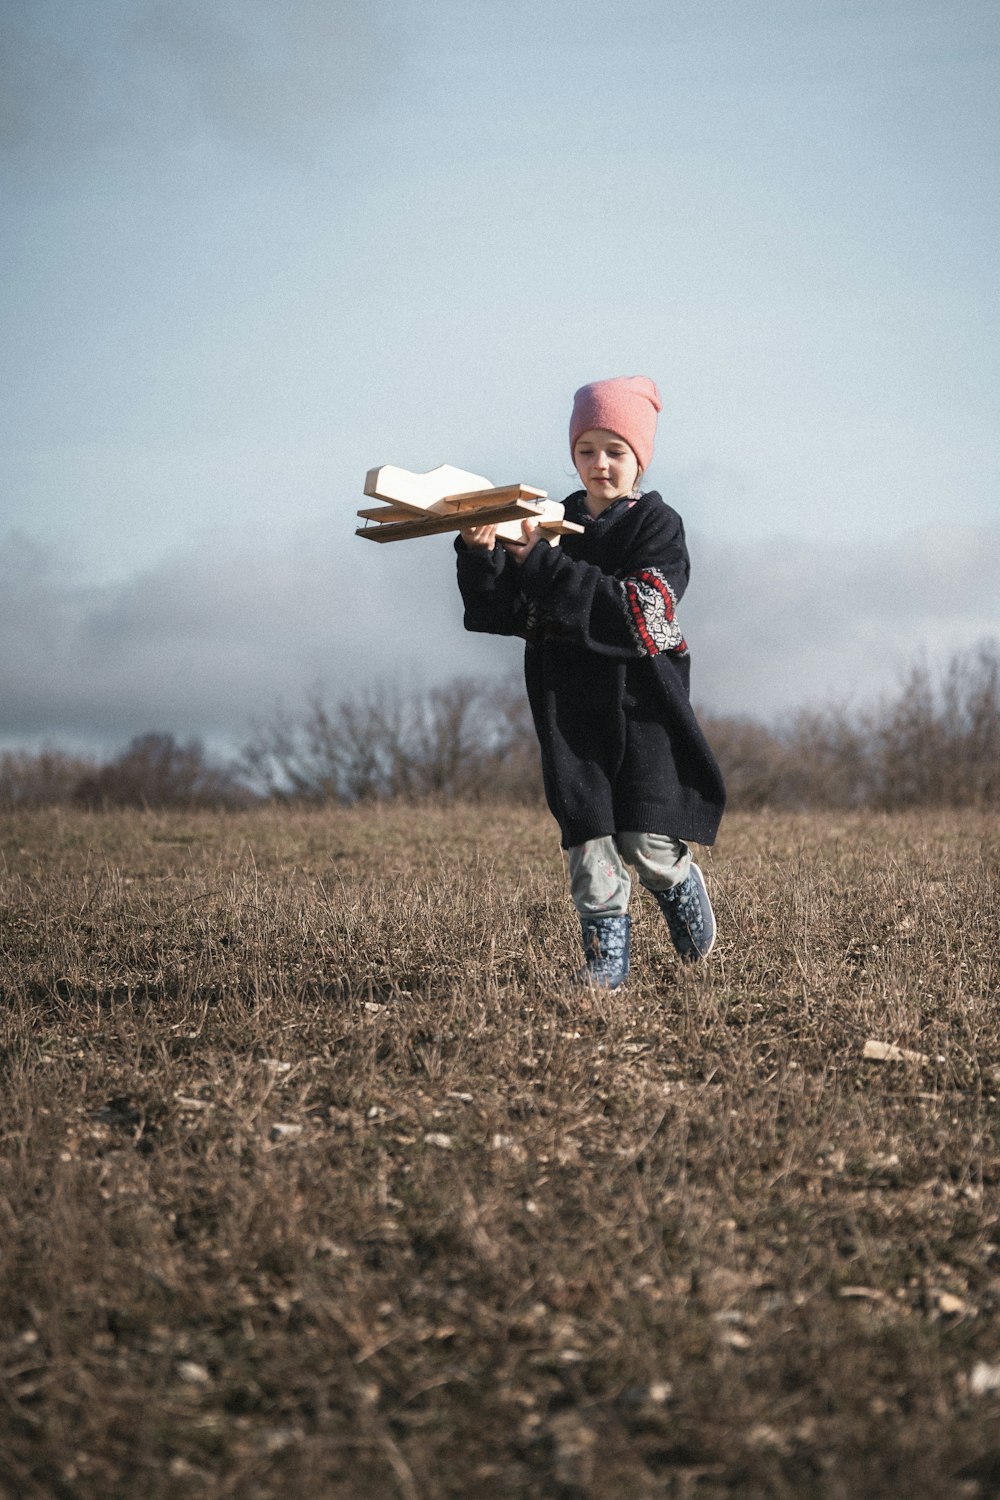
(315, 1181)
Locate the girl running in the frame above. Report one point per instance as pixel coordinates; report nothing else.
(628, 774)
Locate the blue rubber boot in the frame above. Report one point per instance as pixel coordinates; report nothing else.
(689, 916)
(606, 942)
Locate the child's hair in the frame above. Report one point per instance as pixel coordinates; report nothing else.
(627, 405)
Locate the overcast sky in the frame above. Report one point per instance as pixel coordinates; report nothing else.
(252, 250)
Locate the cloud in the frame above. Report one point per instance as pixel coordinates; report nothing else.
(139, 75)
(222, 633)
(782, 623)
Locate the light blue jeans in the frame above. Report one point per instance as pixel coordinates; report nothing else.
(601, 885)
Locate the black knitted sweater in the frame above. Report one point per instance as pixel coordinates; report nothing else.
(607, 670)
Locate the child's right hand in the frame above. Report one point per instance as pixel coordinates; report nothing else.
(479, 536)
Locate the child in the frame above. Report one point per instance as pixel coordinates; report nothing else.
(628, 774)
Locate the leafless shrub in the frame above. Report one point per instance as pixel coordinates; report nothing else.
(936, 743)
(939, 742)
(454, 732)
(517, 773)
(828, 760)
(318, 758)
(753, 758)
(460, 740)
(39, 779)
(156, 771)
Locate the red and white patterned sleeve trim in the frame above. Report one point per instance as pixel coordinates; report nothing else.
(650, 603)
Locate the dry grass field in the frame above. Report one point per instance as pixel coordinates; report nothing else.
(315, 1181)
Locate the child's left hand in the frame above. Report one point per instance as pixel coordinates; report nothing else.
(532, 536)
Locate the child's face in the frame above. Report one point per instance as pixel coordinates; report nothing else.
(607, 466)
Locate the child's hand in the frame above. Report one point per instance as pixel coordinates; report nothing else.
(479, 536)
(532, 536)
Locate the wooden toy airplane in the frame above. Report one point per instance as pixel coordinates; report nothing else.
(446, 498)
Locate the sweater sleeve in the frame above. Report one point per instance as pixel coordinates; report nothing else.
(490, 589)
(629, 613)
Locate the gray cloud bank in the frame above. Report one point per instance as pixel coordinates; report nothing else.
(220, 635)
(784, 624)
(212, 636)
(136, 75)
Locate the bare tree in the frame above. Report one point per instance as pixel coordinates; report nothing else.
(939, 741)
(40, 778)
(936, 742)
(456, 740)
(156, 771)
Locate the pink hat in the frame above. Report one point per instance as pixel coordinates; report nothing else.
(626, 405)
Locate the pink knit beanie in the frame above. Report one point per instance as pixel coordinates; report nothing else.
(626, 405)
